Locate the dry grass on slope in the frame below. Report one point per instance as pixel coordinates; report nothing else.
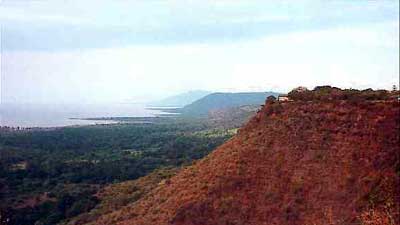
(116, 196)
(293, 163)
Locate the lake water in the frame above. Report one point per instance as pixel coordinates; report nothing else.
(41, 115)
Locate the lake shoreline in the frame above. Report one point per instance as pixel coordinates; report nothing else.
(36, 116)
(102, 121)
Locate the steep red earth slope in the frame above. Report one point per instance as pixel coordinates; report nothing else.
(294, 163)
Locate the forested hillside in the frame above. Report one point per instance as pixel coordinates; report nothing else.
(220, 101)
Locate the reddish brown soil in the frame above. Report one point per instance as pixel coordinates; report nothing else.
(293, 163)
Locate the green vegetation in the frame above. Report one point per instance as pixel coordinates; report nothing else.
(47, 176)
(115, 196)
(219, 101)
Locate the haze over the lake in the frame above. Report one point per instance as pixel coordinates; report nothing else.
(97, 51)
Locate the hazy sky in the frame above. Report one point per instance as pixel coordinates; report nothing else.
(103, 51)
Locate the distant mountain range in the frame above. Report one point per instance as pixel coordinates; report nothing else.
(180, 100)
(218, 101)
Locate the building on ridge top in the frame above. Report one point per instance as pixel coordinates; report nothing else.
(283, 98)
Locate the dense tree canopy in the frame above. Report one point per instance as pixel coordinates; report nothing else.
(48, 176)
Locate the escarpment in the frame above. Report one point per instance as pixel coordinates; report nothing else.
(301, 162)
